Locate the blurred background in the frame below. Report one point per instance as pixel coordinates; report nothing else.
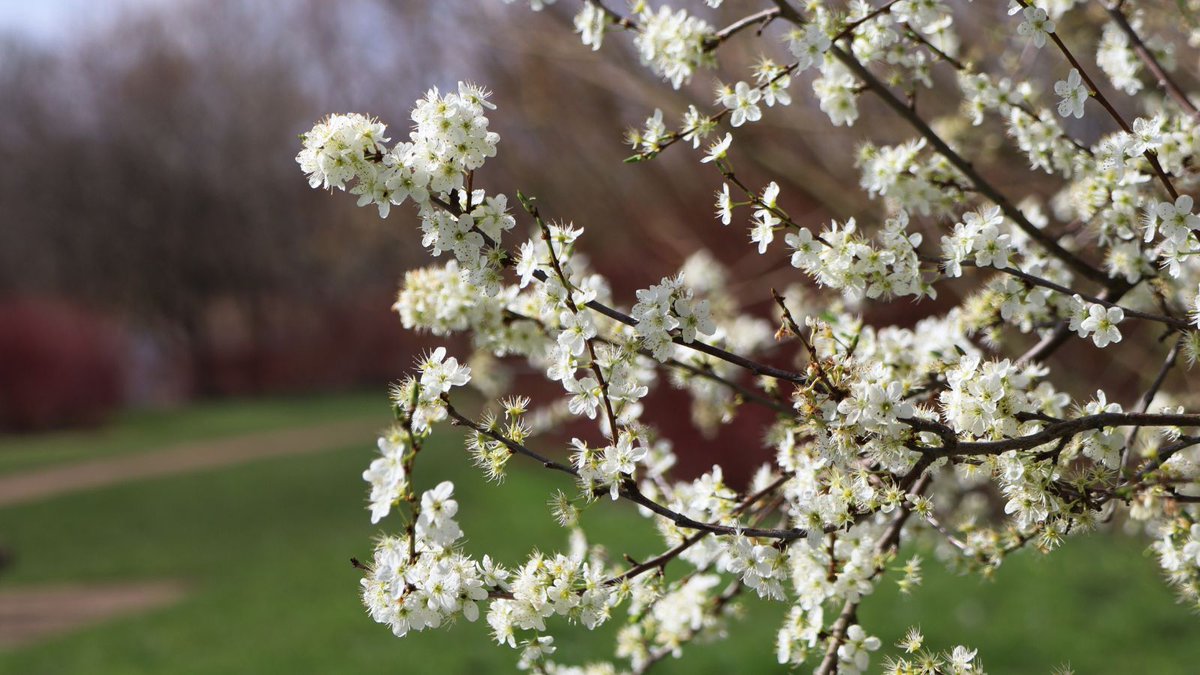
(194, 345)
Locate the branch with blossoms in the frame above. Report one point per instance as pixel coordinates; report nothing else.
(879, 433)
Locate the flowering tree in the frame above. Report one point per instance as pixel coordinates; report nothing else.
(881, 434)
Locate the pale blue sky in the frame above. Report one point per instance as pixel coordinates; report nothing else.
(49, 20)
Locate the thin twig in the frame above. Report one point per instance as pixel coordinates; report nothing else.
(1148, 398)
(984, 187)
(1160, 74)
(1095, 92)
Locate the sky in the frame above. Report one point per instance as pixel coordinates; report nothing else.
(50, 20)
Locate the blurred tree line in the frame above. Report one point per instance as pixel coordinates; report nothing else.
(158, 243)
(156, 234)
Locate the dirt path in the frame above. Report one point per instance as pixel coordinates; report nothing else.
(30, 614)
(39, 484)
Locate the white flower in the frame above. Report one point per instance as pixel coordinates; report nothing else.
(438, 377)
(436, 526)
(672, 44)
(724, 205)
(1037, 25)
(765, 220)
(587, 397)
(806, 248)
(960, 660)
(837, 89)
(576, 329)
(1118, 61)
(590, 23)
(1147, 135)
(694, 318)
(450, 139)
(743, 101)
(773, 81)
(808, 45)
(871, 397)
(387, 476)
(1102, 324)
(1174, 222)
(1073, 94)
(620, 460)
(536, 651)
(655, 132)
(762, 230)
(654, 316)
(697, 126)
(527, 262)
(855, 651)
(992, 248)
(717, 150)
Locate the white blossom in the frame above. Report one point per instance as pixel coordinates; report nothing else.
(1036, 25)
(1101, 324)
(672, 43)
(956, 423)
(808, 45)
(590, 23)
(1073, 94)
(743, 101)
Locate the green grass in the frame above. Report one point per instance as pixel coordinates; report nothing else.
(142, 430)
(1098, 603)
(264, 548)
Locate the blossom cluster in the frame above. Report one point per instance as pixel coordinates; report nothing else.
(954, 432)
(1178, 549)
(985, 399)
(667, 309)
(426, 582)
(387, 475)
(840, 258)
(980, 236)
(450, 139)
(673, 43)
(547, 586)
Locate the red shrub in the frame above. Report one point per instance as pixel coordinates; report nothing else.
(60, 365)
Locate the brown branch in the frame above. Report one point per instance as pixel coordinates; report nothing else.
(1046, 283)
(704, 372)
(1059, 336)
(915, 35)
(1160, 74)
(764, 17)
(887, 541)
(667, 556)
(1058, 430)
(567, 286)
(618, 19)
(629, 490)
(984, 187)
(697, 345)
(1108, 107)
(853, 25)
(1148, 397)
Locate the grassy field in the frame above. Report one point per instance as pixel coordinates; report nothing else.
(263, 548)
(139, 431)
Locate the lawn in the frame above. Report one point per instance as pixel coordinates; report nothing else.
(142, 430)
(264, 549)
